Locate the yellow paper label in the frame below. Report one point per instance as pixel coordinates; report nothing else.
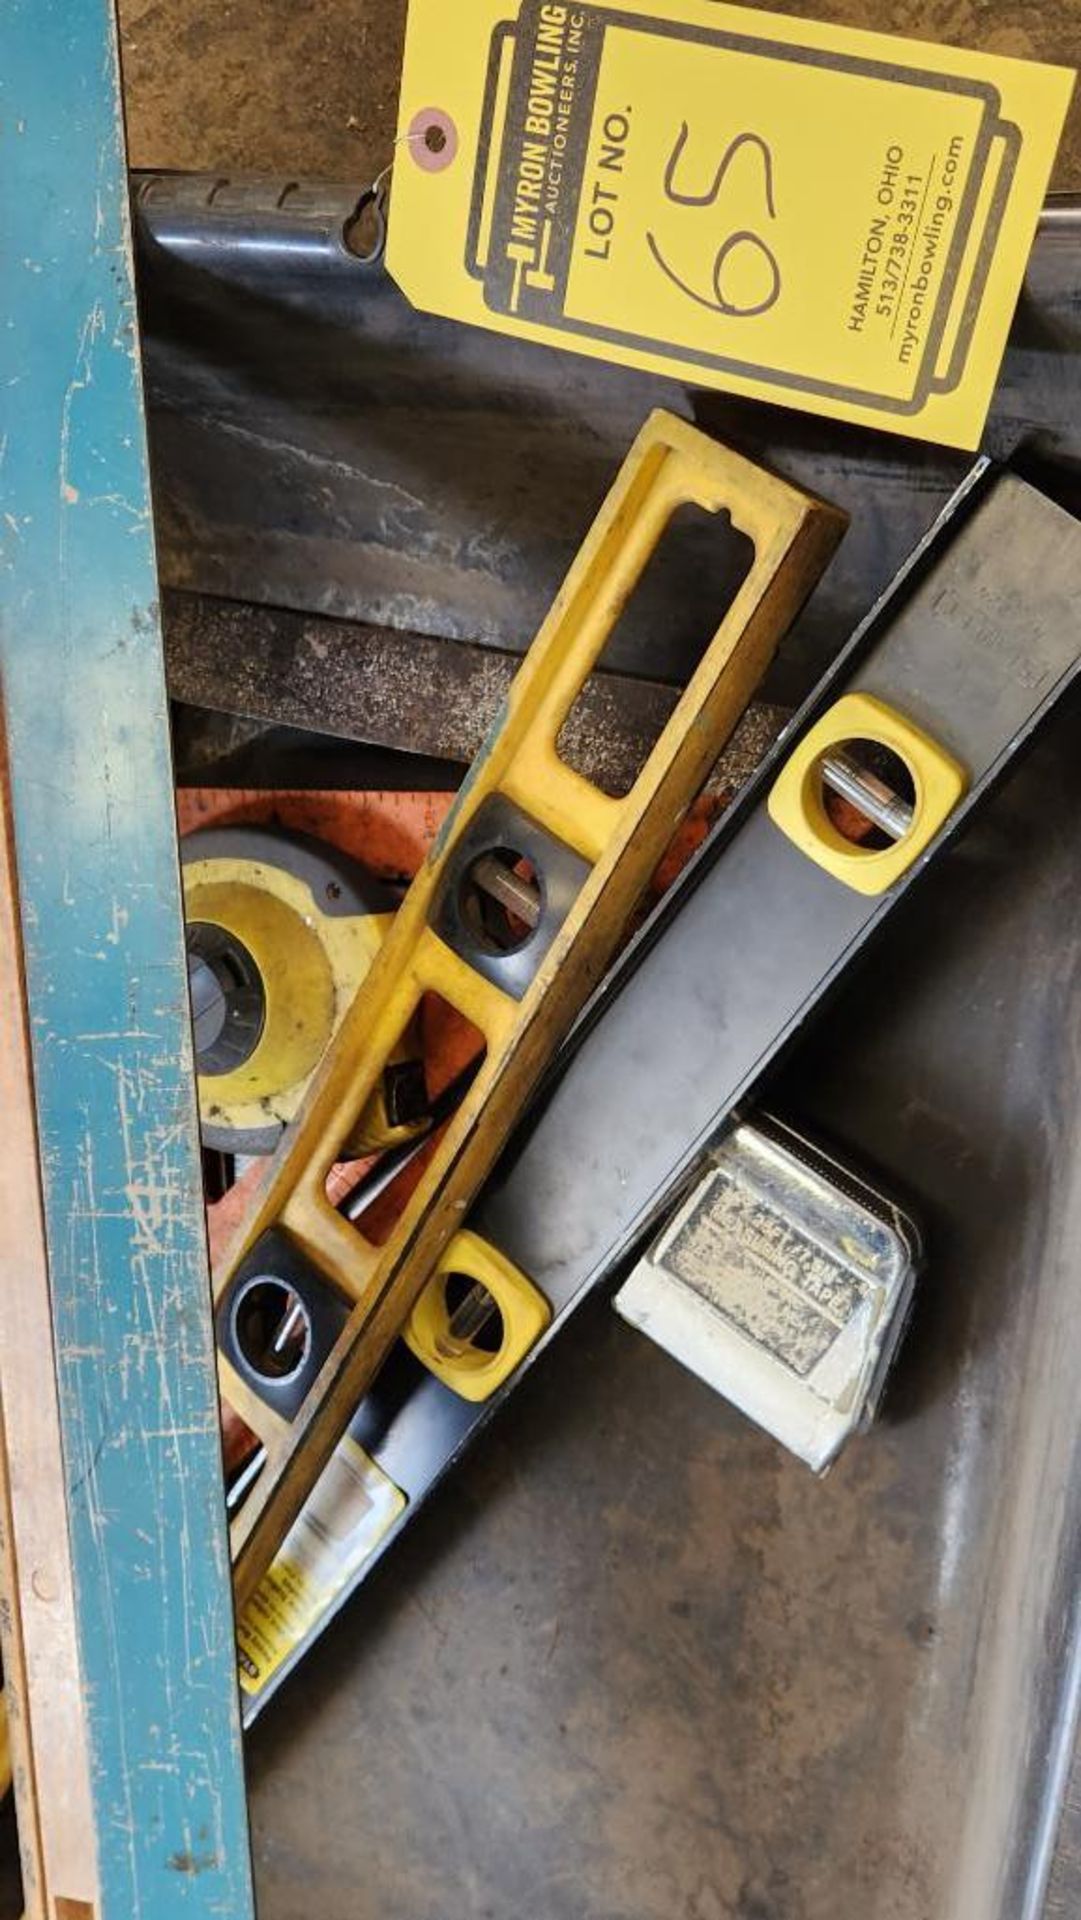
(834, 219)
(353, 1507)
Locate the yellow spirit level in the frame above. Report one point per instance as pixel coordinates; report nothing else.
(308, 1308)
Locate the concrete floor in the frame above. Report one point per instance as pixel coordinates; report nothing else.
(563, 1695)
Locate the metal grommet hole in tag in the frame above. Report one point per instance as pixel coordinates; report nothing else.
(432, 139)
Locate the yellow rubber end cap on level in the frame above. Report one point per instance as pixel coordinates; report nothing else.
(797, 807)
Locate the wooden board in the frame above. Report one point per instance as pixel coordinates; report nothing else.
(81, 665)
(43, 1690)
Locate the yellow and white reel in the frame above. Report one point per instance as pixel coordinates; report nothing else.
(281, 930)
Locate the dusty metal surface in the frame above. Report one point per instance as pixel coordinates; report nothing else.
(315, 88)
(410, 693)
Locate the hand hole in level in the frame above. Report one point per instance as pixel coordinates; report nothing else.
(701, 560)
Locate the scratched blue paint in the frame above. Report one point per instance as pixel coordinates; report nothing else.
(80, 657)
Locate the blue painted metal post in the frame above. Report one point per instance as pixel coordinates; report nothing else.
(80, 656)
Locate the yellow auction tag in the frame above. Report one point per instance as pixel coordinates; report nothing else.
(834, 219)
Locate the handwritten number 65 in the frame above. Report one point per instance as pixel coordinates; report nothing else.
(743, 238)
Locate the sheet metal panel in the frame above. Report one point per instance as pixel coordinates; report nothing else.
(319, 444)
